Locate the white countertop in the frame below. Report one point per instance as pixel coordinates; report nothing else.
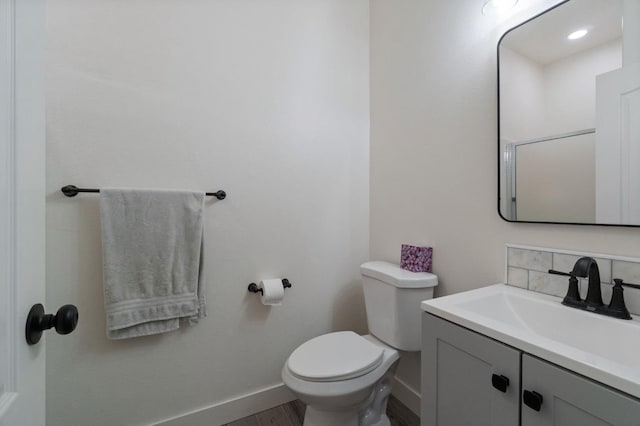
(602, 348)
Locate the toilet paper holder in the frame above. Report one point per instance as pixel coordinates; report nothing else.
(253, 287)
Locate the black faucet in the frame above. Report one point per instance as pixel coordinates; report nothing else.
(587, 267)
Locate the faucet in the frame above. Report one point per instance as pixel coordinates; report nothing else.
(588, 266)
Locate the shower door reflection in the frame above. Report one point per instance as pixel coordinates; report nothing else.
(553, 177)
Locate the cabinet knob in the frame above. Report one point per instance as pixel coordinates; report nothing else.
(532, 399)
(500, 382)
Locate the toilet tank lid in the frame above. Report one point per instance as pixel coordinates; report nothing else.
(392, 274)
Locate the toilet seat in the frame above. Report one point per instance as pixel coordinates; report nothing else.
(335, 356)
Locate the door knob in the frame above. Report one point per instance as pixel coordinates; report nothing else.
(64, 321)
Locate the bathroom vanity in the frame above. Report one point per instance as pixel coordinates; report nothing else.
(500, 355)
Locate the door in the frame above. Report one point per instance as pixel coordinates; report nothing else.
(467, 378)
(618, 146)
(22, 178)
(558, 397)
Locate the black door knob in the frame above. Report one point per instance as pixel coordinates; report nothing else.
(532, 399)
(500, 382)
(64, 321)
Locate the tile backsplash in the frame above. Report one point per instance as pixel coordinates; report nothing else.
(527, 267)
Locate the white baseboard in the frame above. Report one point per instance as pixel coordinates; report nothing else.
(407, 395)
(233, 409)
(264, 399)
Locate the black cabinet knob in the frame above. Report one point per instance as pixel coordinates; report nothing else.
(64, 321)
(500, 382)
(532, 399)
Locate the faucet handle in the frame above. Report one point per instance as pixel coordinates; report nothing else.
(573, 292)
(617, 300)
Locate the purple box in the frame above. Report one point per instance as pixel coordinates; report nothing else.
(416, 258)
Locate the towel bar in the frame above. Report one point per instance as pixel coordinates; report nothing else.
(72, 191)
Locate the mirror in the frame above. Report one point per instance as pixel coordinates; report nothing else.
(569, 115)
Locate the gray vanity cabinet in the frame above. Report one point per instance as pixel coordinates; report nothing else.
(569, 399)
(459, 386)
(458, 368)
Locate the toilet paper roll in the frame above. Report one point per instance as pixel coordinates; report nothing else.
(272, 292)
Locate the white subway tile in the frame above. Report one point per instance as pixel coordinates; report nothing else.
(529, 259)
(628, 271)
(518, 277)
(632, 300)
(555, 285)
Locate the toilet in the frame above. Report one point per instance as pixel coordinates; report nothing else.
(344, 378)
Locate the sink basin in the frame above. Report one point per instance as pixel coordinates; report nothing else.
(602, 348)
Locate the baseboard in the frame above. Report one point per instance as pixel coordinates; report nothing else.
(233, 409)
(407, 395)
(264, 399)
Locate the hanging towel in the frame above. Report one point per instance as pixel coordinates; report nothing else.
(152, 257)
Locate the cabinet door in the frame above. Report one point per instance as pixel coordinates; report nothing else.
(457, 377)
(569, 399)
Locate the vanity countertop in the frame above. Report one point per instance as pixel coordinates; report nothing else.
(602, 348)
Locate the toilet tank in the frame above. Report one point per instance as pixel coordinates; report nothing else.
(392, 297)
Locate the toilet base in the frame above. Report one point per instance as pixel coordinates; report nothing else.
(370, 413)
(314, 417)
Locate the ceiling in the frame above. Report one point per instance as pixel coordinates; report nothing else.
(544, 39)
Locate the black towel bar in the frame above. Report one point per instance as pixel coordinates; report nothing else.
(72, 191)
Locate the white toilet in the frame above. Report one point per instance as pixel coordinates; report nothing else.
(345, 379)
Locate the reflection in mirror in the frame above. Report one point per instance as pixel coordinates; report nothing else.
(569, 103)
(544, 177)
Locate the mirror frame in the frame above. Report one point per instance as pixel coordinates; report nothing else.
(500, 159)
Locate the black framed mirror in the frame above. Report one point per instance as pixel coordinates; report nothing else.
(569, 113)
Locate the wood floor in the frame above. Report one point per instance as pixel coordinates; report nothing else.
(292, 414)
(400, 415)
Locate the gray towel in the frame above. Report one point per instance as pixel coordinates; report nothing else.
(152, 251)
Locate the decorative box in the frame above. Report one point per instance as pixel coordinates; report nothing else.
(416, 258)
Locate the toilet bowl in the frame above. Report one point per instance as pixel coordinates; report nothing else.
(344, 378)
